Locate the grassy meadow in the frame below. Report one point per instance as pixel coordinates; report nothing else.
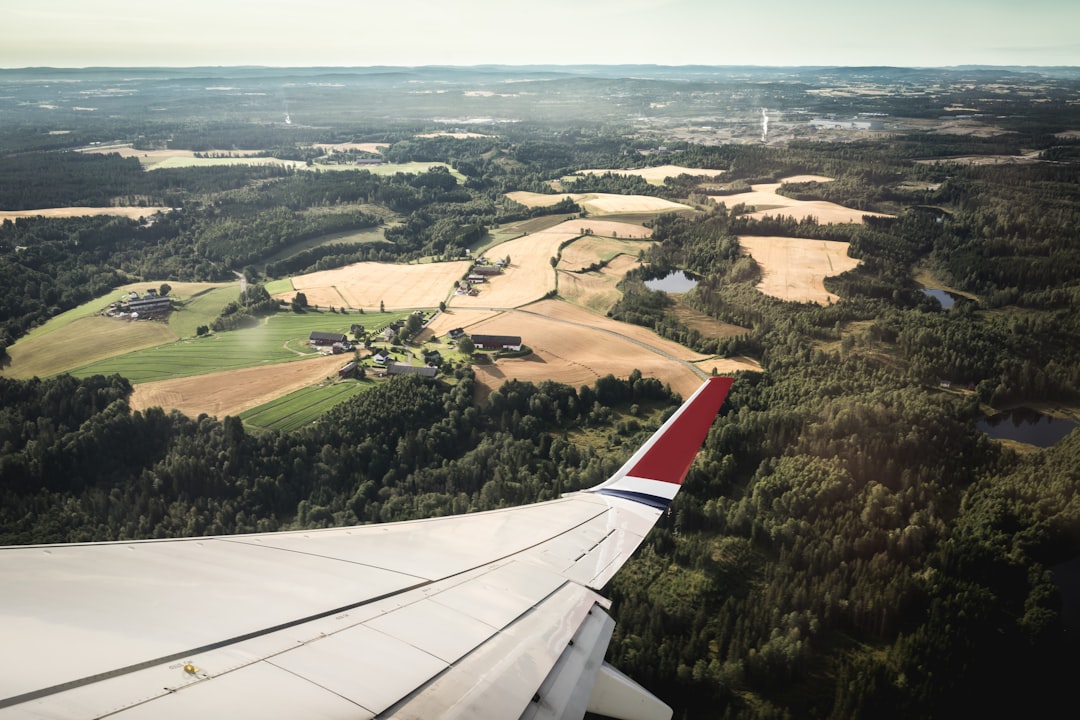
(82, 335)
(279, 338)
(303, 406)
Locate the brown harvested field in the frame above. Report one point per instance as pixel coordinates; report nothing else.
(233, 391)
(50, 353)
(366, 285)
(825, 212)
(1025, 159)
(63, 212)
(601, 203)
(465, 318)
(590, 249)
(795, 268)
(594, 291)
(152, 158)
(707, 326)
(455, 135)
(972, 128)
(806, 178)
(657, 175)
(728, 366)
(572, 314)
(576, 354)
(529, 276)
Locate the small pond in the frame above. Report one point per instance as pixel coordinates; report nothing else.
(678, 281)
(1027, 426)
(944, 297)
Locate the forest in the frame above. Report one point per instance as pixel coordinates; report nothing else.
(848, 544)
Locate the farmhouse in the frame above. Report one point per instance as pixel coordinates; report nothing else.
(432, 357)
(474, 279)
(406, 369)
(456, 333)
(497, 342)
(326, 338)
(148, 305)
(381, 356)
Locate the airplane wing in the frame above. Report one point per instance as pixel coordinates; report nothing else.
(487, 615)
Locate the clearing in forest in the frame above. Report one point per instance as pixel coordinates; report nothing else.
(135, 213)
(657, 175)
(600, 203)
(796, 268)
(764, 196)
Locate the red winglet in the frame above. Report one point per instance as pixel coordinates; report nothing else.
(677, 443)
(666, 457)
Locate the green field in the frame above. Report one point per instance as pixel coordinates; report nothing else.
(82, 335)
(303, 406)
(280, 338)
(201, 309)
(367, 235)
(279, 286)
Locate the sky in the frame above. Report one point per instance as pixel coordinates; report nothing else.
(920, 33)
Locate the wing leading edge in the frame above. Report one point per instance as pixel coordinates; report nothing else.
(484, 615)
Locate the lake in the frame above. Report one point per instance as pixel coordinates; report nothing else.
(678, 281)
(1027, 426)
(944, 297)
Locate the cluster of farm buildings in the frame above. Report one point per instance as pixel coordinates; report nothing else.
(150, 305)
(481, 272)
(339, 343)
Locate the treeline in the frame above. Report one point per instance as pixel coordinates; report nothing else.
(850, 546)
(78, 465)
(70, 179)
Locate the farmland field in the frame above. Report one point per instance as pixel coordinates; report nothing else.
(600, 203)
(577, 354)
(657, 175)
(281, 338)
(367, 285)
(795, 269)
(85, 340)
(234, 391)
(764, 196)
(600, 247)
(303, 406)
(64, 212)
(81, 335)
(596, 291)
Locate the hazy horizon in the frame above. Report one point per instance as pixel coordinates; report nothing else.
(331, 33)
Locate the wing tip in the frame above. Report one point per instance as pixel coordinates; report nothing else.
(655, 472)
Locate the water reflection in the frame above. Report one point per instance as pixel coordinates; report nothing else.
(678, 281)
(944, 297)
(1027, 426)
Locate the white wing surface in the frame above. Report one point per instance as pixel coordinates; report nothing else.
(489, 615)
